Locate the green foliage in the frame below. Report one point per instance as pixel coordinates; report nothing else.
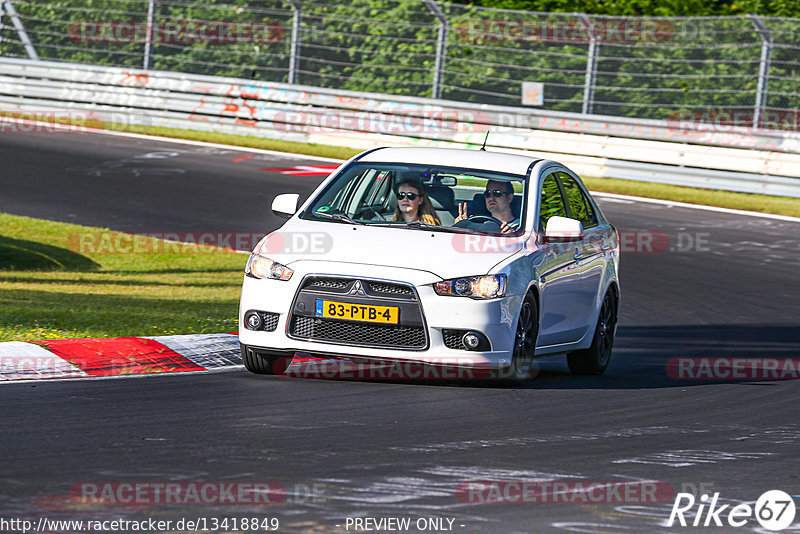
(652, 8)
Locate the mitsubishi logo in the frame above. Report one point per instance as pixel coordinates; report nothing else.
(357, 289)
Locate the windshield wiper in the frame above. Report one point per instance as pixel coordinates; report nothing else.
(425, 226)
(337, 217)
(420, 224)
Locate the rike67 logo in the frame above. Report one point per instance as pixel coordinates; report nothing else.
(774, 510)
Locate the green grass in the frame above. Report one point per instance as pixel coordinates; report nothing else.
(725, 199)
(52, 287)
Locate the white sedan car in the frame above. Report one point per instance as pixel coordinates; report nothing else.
(514, 261)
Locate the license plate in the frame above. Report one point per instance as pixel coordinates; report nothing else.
(357, 312)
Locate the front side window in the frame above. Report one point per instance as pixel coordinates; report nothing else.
(579, 206)
(429, 196)
(551, 203)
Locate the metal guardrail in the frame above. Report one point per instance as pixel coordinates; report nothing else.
(646, 150)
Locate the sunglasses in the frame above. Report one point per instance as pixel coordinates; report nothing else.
(496, 193)
(410, 196)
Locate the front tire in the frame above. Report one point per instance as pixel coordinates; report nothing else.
(524, 342)
(595, 359)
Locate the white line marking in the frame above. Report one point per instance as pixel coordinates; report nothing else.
(84, 129)
(214, 145)
(697, 206)
(219, 370)
(614, 200)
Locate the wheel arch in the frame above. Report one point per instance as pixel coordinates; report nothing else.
(614, 288)
(533, 289)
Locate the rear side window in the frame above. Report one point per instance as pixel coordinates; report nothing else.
(551, 204)
(579, 206)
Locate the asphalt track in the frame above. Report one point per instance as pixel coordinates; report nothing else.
(378, 449)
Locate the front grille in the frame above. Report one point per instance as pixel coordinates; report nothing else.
(410, 337)
(327, 283)
(390, 289)
(342, 286)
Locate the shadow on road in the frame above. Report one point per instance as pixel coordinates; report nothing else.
(644, 357)
(681, 356)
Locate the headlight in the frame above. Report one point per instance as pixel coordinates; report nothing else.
(263, 267)
(477, 287)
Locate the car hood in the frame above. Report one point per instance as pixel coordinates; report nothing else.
(444, 254)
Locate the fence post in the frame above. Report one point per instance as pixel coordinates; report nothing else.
(2, 10)
(441, 48)
(763, 68)
(294, 46)
(23, 35)
(591, 66)
(148, 40)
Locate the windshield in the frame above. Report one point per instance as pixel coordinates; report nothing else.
(425, 197)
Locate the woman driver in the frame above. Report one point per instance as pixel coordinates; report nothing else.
(413, 203)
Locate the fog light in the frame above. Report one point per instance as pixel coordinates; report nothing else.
(253, 320)
(470, 340)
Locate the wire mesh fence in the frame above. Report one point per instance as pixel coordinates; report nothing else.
(742, 71)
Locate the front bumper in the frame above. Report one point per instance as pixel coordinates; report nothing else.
(495, 318)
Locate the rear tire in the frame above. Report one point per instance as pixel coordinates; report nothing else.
(258, 362)
(595, 359)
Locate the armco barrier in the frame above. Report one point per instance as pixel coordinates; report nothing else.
(646, 150)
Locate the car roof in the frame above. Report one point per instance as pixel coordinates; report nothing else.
(454, 157)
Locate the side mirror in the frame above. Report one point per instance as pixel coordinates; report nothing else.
(562, 229)
(285, 205)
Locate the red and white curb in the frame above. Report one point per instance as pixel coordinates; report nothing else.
(121, 356)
